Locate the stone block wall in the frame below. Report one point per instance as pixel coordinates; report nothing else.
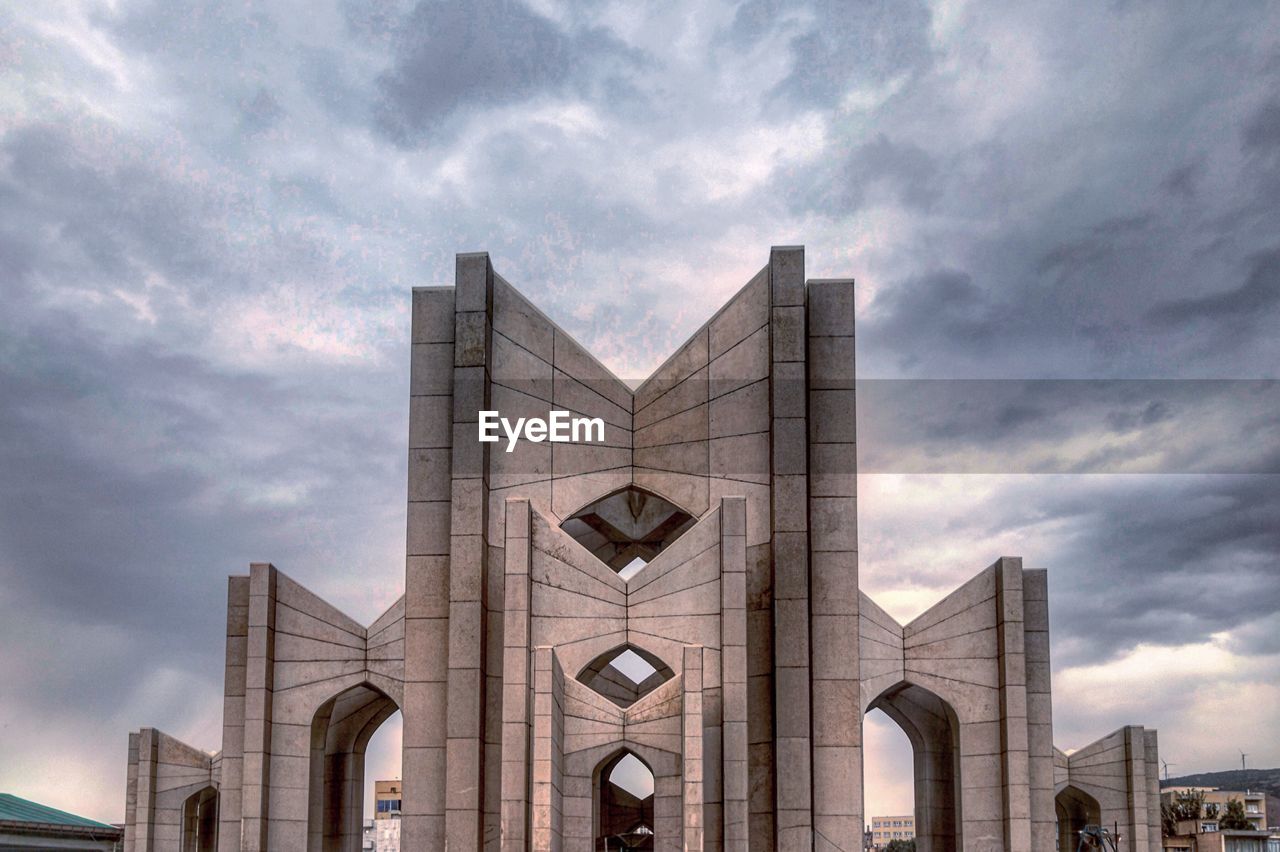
(753, 616)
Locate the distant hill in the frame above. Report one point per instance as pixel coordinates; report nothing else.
(1258, 780)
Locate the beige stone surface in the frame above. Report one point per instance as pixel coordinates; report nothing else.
(513, 653)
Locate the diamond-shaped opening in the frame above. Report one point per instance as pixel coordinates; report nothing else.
(625, 675)
(628, 528)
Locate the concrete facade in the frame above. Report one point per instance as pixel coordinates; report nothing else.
(731, 472)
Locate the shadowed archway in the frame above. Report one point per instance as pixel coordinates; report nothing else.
(931, 725)
(340, 734)
(624, 812)
(200, 821)
(1075, 809)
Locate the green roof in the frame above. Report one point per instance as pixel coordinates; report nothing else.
(14, 809)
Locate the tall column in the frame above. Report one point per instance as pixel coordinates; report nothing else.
(1135, 747)
(733, 672)
(516, 681)
(259, 686)
(131, 796)
(833, 566)
(144, 836)
(1014, 746)
(233, 690)
(792, 743)
(464, 800)
(1035, 602)
(691, 749)
(548, 746)
(426, 624)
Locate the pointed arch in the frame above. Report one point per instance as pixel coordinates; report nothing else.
(624, 801)
(200, 821)
(932, 726)
(1074, 809)
(340, 733)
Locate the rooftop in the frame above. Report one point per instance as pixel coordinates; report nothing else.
(14, 809)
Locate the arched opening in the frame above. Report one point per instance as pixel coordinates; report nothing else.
(1075, 809)
(340, 735)
(383, 788)
(628, 528)
(625, 674)
(888, 786)
(933, 730)
(624, 804)
(200, 821)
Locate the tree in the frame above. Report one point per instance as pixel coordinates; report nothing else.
(1234, 818)
(1188, 804)
(901, 846)
(1168, 820)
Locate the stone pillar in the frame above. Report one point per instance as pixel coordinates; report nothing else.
(464, 800)
(792, 741)
(733, 672)
(426, 625)
(259, 687)
(1035, 602)
(233, 691)
(1012, 665)
(516, 683)
(144, 833)
(691, 749)
(131, 796)
(833, 566)
(1151, 756)
(548, 759)
(1135, 748)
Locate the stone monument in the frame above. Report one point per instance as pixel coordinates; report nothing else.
(678, 600)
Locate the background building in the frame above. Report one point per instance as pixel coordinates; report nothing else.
(386, 816)
(1215, 801)
(27, 825)
(1205, 833)
(886, 828)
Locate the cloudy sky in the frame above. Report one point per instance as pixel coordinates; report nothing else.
(1061, 216)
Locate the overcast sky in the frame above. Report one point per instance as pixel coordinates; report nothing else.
(211, 216)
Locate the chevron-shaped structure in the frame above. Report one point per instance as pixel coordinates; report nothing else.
(532, 655)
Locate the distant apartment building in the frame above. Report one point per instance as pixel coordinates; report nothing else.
(386, 797)
(1206, 833)
(887, 828)
(1215, 802)
(386, 816)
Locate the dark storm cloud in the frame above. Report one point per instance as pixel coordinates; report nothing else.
(450, 56)
(1069, 426)
(879, 170)
(1160, 561)
(1032, 191)
(1253, 300)
(1262, 131)
(835, 46)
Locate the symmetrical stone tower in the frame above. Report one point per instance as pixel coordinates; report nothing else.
(680, 597)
